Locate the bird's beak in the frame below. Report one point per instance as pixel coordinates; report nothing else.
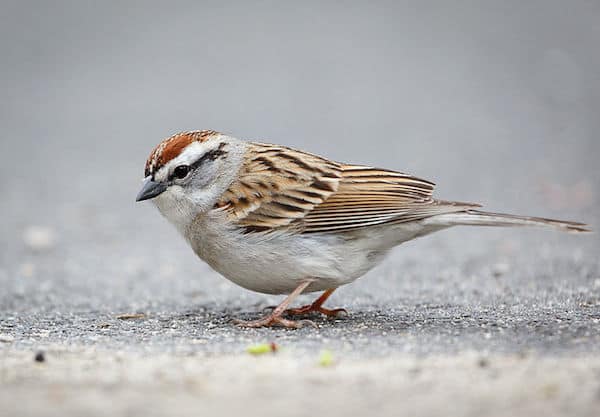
(150, 189)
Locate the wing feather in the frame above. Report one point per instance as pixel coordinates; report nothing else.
(278, 186)
(284, 189)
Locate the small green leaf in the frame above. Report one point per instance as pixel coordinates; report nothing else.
(261, 348)
(326, 358)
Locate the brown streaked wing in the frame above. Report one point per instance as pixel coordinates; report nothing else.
(278, 186)
(281, 188)
(370, 196)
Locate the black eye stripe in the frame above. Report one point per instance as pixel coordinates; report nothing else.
(210, 155)
(200, 161)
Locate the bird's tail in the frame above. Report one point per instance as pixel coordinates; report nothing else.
(482, 218)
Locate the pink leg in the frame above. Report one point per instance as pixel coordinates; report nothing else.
(275, 319)
(317, 306)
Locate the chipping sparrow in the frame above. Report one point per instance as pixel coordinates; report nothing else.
(280, 221)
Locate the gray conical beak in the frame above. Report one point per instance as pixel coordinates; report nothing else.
(150, 189)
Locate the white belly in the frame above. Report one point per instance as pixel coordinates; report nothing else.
(276, 263)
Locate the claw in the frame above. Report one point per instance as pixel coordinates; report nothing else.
(339, 313)
(308, 323)
(309, 309)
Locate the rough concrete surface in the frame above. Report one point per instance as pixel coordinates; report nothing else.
(71, 383)
(104, 310)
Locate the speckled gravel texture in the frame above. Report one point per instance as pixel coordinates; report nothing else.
(491, 102)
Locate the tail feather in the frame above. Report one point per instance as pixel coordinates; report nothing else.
(482, 218)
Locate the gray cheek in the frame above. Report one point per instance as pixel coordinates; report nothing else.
(202, 177)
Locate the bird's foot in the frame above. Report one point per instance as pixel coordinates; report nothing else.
(312, 308)
(273, 321)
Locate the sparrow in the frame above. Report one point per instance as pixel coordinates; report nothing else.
(277, 220)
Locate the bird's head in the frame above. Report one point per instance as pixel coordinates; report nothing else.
(187, 172)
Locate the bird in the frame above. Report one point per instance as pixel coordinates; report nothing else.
(277, 220)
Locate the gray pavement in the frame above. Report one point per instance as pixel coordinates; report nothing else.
(492, 103)
(485, 302)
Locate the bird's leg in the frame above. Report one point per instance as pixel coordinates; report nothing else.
(317, 307)
(274, 318)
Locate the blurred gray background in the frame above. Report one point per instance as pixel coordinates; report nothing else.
(497, 102)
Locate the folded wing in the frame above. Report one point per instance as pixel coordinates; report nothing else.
(285, 189)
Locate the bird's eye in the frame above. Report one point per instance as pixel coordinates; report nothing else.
(181, 171)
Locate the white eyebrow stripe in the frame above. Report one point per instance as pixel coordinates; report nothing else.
(190, 154)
